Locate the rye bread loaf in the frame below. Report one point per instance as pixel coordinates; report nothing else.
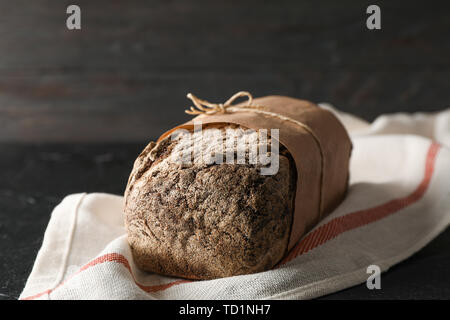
(205, 221)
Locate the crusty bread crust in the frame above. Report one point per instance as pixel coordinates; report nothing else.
(207, 221)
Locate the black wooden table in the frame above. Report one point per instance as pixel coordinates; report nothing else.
(35, 178)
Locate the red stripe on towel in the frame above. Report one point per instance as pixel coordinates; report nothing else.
(112, 257)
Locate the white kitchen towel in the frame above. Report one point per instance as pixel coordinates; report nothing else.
(398, 201)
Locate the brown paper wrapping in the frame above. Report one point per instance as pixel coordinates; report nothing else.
(334, 140)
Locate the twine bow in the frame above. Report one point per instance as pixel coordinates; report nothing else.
(206, 107)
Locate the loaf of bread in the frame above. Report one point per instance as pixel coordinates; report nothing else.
(204, 219)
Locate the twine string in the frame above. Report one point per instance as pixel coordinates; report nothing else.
(208, 108)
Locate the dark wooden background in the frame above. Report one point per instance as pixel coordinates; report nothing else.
(103, 92)
(125, 75)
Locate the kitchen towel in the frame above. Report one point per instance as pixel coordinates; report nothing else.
(398, 201)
